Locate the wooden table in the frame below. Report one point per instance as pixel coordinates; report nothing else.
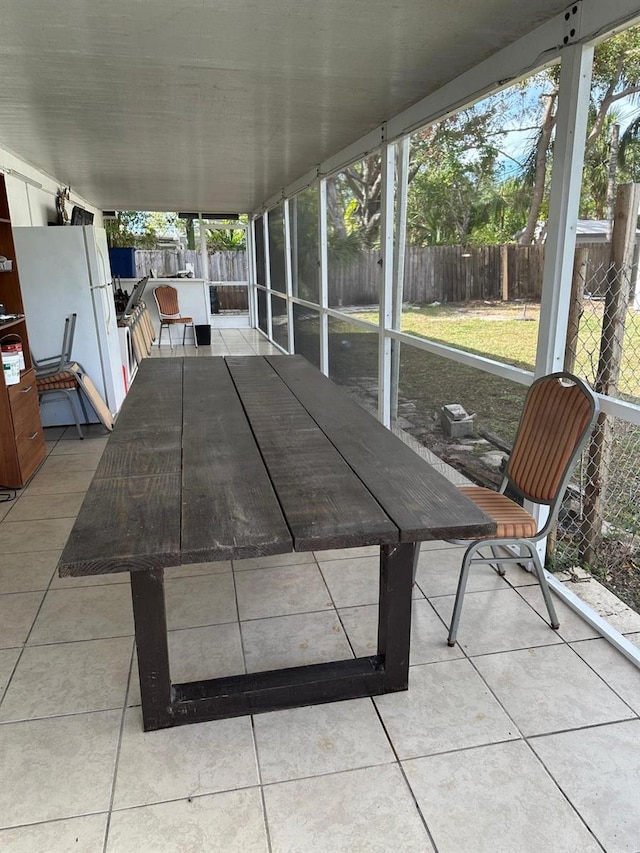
(224, 458)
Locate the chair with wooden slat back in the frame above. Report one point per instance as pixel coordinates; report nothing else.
(58, 374)
(166, 298)
(558, 416)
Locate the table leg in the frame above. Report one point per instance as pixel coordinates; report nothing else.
(394, 616)
(147, 590)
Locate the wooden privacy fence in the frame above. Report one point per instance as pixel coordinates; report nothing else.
(454, 274)
(431, 273)
(223, 266)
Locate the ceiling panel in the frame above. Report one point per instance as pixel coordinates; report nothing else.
(165, 105)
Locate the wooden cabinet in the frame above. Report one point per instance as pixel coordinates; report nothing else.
(22, 446)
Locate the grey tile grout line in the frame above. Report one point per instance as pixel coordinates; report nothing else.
(116, 763)
(525, 739)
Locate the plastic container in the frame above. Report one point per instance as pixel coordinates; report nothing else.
(123, 262)
(203, 335)
(11, 368)
(12, 345)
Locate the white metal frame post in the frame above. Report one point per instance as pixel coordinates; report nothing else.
(267, 272)
(385, 288)
(324, 276)
(251, 273)
(566, 181)
(400, 241)
(288, 276)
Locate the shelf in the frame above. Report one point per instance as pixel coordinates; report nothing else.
(6, 221)
(9, 324)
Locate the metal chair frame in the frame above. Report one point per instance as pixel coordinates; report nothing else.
(48, 368)
(168, 320)
(528, 552)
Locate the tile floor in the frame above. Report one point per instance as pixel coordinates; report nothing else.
(519, 739)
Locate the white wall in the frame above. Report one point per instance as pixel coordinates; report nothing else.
(33, 205)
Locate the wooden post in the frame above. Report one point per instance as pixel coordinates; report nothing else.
(576, 306)
(609, 362)
(504, 261)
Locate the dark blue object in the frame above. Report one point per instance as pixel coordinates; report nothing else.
(123, 262)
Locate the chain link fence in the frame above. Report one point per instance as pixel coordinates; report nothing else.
(599, 526)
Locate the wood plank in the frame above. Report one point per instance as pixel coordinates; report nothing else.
(325, 504)
(421, 501)
(259, 692)
(154, 401)
(130, 518)
(125, 524)
(229, 507)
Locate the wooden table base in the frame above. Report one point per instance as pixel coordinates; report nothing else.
(165, 704)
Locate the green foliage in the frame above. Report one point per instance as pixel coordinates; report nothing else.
(141, 229)
(227, 240)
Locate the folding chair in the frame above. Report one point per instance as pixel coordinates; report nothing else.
(169, 312)
(58, 374)
(558, 416)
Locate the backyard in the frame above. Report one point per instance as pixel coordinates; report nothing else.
(506, 332)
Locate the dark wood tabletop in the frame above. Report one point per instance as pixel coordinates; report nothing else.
(216, 458)
(222, 458)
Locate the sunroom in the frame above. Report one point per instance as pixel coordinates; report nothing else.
(372, 157)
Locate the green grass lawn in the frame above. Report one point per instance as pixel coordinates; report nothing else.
(508, 332)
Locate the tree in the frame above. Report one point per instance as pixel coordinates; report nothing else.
(615, 77)
(141, 229)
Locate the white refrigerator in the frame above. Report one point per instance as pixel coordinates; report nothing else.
(65, 270)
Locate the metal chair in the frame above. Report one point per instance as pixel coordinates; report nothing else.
(58, 374)
(169, 312)
(558, 416)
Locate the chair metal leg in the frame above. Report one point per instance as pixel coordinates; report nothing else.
(462, 585)
(544, 586)
(195, 337)
(184, 333)
(74, 412)
(84, 408)
(499, 567)
(160, 335)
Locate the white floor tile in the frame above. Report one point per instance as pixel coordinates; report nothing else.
(59, 767)
(439, 570)
(599, 771)
(68, 678)
(428, 634)
(80, 834)
(231, 822)
(8, 658)
(17, 612)
(550, 688)
(572, 627)
(360, 811)
(27, 572)
(200, 600)
(297, 640)
(619, 673)
(495, 799)
(496, 621)
(320, 739)
(90, 613)
(281, 591)
(184, 761)
(355, 581)
(446, 707)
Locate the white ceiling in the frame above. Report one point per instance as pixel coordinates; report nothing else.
(215, 105)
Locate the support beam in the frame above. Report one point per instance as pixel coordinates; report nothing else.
(385, 284)
(566, 181)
